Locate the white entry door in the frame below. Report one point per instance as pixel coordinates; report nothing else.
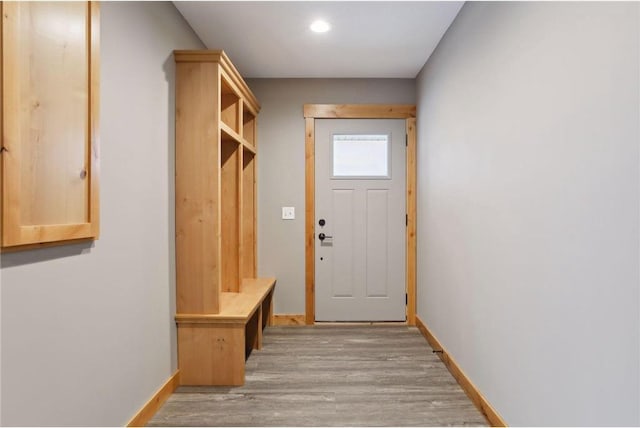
(360, 219)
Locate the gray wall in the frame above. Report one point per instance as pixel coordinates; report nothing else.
(281, 167)
(87, 331)
(528, 184)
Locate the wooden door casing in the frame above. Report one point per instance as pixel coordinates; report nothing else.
(360, 269)
(359, 111)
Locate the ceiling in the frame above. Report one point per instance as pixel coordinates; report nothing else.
(381, 39)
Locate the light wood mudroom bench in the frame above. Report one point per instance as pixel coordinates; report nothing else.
(213, 348)
(221, 305)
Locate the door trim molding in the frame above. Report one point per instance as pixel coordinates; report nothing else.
(359, 111)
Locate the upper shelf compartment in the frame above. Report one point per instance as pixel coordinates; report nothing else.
(238, 107)
(237, 117)
(230, 106)
(249, 126)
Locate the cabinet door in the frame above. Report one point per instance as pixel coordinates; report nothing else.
(49, 122)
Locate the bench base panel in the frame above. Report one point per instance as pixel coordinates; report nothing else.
(211, 354)
(212, 348)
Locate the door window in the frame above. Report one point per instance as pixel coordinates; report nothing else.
(361, 156)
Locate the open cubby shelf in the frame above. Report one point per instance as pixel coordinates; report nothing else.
(230, 106)
(228, 134)
(249, 127)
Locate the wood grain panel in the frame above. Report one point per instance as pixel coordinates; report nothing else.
(235, 306)
(94, 102)
(289, 319)
(469, 388)
(248, 268)
(5, 215)
(255, 197)
(267, 310)
(411, 221)
(45, 245)
(50, 234)
(310, 188)
(50, 80)
(230, 233)
(253, 332)
(359, 111)
(211, 354)
(53, 118)
(197, 188)
(154, 404)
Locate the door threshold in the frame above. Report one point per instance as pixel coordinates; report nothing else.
(350, 323)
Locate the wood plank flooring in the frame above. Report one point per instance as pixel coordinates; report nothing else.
(331, 376)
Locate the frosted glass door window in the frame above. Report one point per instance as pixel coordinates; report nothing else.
(361, 156)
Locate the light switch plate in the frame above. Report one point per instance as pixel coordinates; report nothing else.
(288, 213)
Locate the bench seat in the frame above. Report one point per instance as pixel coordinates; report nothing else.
(212, 348)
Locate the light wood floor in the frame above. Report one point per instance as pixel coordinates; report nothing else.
(331, 376)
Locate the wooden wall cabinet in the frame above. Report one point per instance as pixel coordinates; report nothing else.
(49, 117)
(221, 305)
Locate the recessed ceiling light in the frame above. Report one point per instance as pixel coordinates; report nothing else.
(320, 26)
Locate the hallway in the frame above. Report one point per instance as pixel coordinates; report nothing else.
(331, 376)
(524, 218)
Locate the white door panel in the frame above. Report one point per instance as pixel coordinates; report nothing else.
(360, 265)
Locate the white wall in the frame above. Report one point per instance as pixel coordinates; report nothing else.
(281, 163)
(87, 330)
(528, 217)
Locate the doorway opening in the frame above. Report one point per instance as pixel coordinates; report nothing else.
(359, 111)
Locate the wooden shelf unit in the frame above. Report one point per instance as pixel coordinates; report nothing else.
(216, 155)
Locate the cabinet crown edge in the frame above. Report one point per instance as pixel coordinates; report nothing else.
(219, 56)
